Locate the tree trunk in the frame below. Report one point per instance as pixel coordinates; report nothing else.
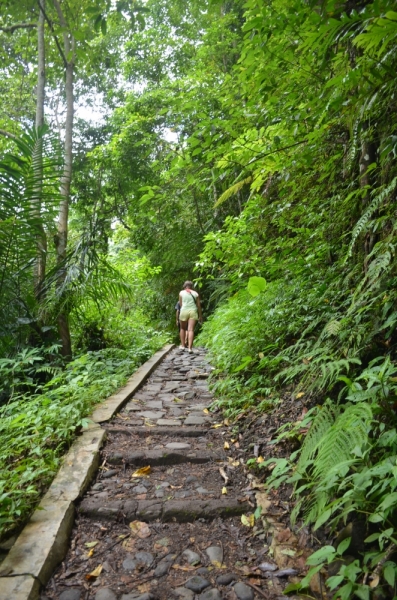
(40, 266)
(61, 239)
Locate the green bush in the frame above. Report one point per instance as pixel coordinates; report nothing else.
(37, 427)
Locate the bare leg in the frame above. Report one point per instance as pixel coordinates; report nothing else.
(183, 333)
(191, 325)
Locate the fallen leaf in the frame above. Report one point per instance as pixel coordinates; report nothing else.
(263, 501)
(288, 552)
(261, 355)
(300, 395)
(375, 581)
(140, 529)
(90, 553)
(217, 564)
(95, 573)
(260, 459)
(248, 520)
(224, 490)
(236, 445)
(91, 544)
(217, 425)
(129, 545)
(149, 424)
(226, 446)
(142, 472)
(255, 581)
(182, 568)
(233, 440)
(144, 588)
(226, 422)
(206, 411)
(225, 477)
(192, 540)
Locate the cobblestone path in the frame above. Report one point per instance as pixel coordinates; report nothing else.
(162, 520)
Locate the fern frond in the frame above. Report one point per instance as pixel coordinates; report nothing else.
(321, 424)
(232, 191)
(327, 453)
(332, 327)
(349, 430)
(375, 204)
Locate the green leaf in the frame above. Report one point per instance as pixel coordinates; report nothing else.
(256, 285)
(343, 545)
(389, 573)
(326, 553)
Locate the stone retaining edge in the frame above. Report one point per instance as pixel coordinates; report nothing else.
(43, 542)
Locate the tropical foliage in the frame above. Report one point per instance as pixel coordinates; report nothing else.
(254, 143)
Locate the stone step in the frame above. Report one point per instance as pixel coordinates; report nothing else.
(176, 431)
(181, 511)
(164, 457)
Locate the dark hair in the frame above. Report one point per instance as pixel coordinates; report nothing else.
(188, 284)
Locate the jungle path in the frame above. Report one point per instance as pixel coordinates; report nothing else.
(162, 518)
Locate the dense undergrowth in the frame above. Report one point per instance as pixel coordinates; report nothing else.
(39, 422)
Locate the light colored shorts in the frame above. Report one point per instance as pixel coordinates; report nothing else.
(187, 314)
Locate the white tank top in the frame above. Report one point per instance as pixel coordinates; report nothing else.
(187, 301)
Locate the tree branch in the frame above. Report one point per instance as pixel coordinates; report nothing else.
(8, 134)
(12, 28)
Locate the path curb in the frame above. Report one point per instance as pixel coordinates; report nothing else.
(43, 542)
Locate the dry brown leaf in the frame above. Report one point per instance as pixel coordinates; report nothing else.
(192, 540)
(225, 477)
(129, 545)
(95, 573)
(226, 422)
(140, 529)
(144, 587)
(142, 472)
(255, 581)
(375, 581)
(262, 500)
(182, 568)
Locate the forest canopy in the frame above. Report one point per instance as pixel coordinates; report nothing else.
(249, 144)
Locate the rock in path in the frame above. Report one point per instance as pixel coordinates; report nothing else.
(183, 593)
(105, 594)
(243, 592)
(226, 578)
(212, 594)
(215, 554)
(70, 595)
(197, 584)
(191, 557)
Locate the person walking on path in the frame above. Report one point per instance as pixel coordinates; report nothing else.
(178, 323)
(190, 313)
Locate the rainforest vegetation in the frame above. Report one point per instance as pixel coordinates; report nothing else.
(250, 145)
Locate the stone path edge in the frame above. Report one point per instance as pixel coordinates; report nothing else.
(43, 542)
